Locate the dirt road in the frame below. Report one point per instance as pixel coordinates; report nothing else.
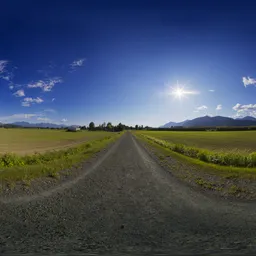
(125, 202)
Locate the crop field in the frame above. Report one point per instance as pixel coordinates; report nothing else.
(29, 141)
(32, 153)
(242, 142)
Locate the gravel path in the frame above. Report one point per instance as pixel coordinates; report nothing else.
(126, 203)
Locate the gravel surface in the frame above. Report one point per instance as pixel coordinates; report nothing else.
(126, 203)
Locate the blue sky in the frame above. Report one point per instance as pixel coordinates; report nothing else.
(135, 62)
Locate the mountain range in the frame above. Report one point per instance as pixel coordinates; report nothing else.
(213, 121)
(39, 125)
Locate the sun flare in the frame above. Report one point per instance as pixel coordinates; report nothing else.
(178, 92)
(181, 92)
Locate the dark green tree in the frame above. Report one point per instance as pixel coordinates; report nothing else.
(91, 126)
(120, 127)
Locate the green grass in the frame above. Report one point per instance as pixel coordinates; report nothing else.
(16, 168)
(228, 159)
(28, 141)
(242, 142)
(228, 172)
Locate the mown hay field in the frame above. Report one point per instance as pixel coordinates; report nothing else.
(29, 141)
(242, 142)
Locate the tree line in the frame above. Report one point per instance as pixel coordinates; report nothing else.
(112, 128)
(91, 127)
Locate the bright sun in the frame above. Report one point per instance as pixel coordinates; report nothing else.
(178, 92)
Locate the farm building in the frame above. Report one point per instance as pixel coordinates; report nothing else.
(73, 129)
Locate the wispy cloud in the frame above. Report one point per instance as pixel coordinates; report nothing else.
(44, 119)
(3, 64)
(53, 99)
(19, 93)
(11, 87)
(25, 104)
(17, 117)
(77, 63)
(211, 90)
(4, 73)
(6, 77)
(203, 107)
(28, 101)
(219, 107)
(248, 81)
(50, 110)
(64, 120)
(45, 85)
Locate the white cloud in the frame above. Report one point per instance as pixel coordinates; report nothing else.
(53, 99)
(3, 64)
(43, 119)
(11, 87)
(28, 101)
(248, 81)
(242, 110)
(239, 107)
(46, 85)
(35, 100)
(203, 107)
(219, 107)
(211, 90)
(64, 120)
(77, 63)
(19, 93)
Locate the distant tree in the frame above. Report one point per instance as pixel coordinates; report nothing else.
(120, 127)
(91, 126)
(109, 126)
(136, 127)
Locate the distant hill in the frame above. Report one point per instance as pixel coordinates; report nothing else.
(39, 125)
(173, 124)
(248, 118)
(214, 121)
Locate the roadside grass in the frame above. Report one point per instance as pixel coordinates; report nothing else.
(242, 142)
(15, 168)
(217, 158)
(226, 172)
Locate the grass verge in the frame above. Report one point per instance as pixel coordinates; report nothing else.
(221, 180)
(225, 159)
(15, 168)
(227, 172)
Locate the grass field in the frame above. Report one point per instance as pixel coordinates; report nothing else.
(32, 153)
(242, 142)
(28, 141)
